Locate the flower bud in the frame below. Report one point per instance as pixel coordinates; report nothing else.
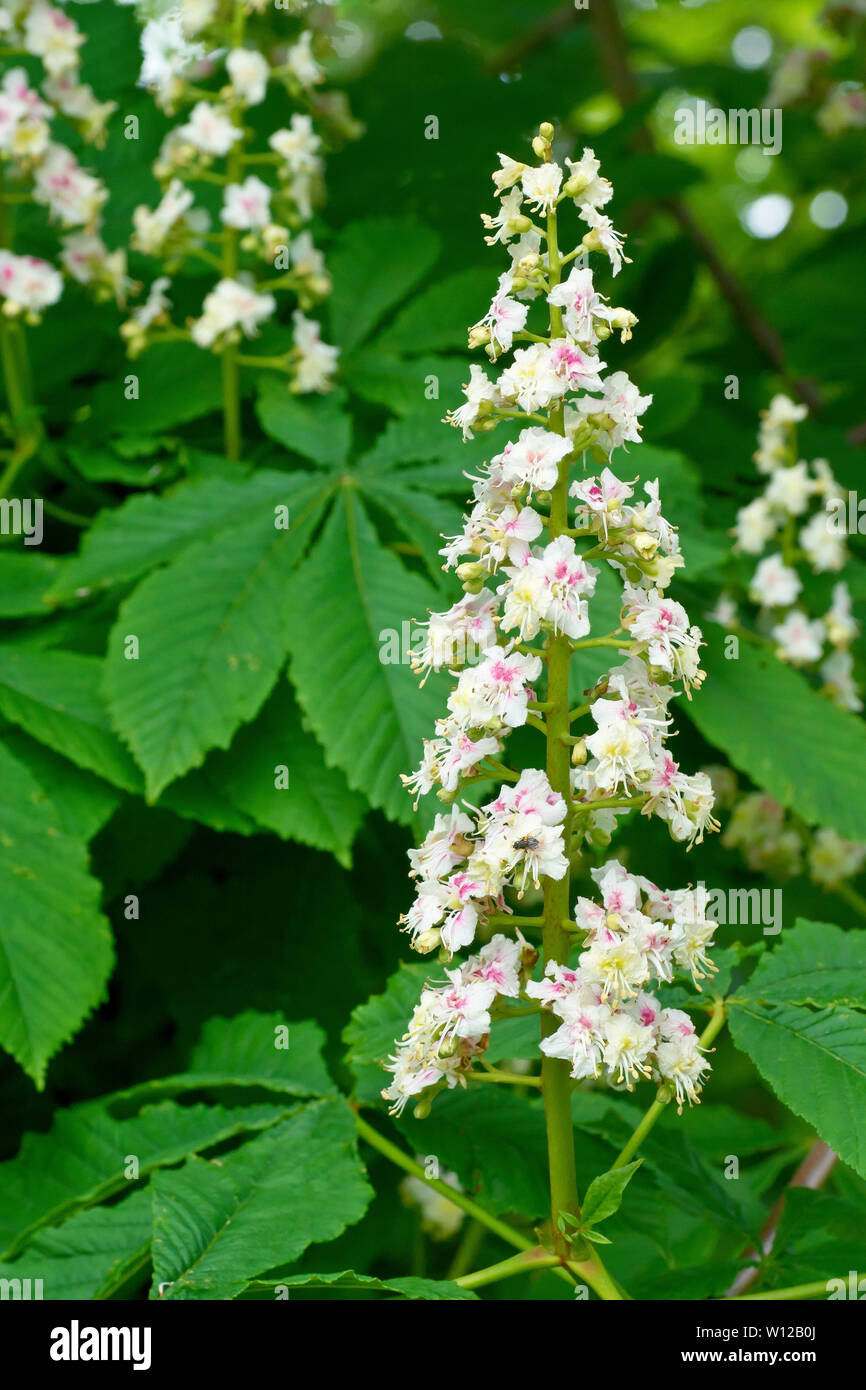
(546, 130)
(469, 571)
(427, 941)
(645, 543)
(578, 754)
(479, 335)
(541, 147)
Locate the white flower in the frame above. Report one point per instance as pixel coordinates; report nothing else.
(604, 496)
(681, 1063)
(662, 626)
(248, 72)
(837, 673)
(832, 859)
(504, 318)
(297, 144)
(51, 35)
(578, 297)
(301, 63)
(231, 305)
(247, 205)
(508, 222)
(623, 404)
(620, 748)
(533, 459)
(532, 379)
(584, 184)
(842, 626)
(628, 1046)
(166, 53)
(800, 640)
(209, 129)
(603, 236)
(791, 489)
(89, 261)
(480, 392)
(541, 186)
(72, 196)
(156, 304)
(27, 285)
(509, 172)
(455, 637)
(153, 227)
(315, 361)
(755, 525)
(775, 584)
(440, 1219)
(825, 550)
(550, 588)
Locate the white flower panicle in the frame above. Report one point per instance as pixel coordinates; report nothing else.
(39, 167)
(796, 519)
(210, 64)
(526, 593)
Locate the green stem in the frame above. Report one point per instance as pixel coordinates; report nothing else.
(611, 801)
(781, 1295)
(451, 1194)
(466, 1253)
(556, 1086)
(625, 643)
(507, 1078)
(536, 1258)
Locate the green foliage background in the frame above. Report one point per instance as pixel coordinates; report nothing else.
(260, 648)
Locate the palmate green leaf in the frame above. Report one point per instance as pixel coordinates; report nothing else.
(347, 1281)
(197, 798)
(816, 1064)
(370, 1033)
(92, 1255)
(810, 755)
(55, 946)
(436, 320)
(815, 963)
(84, 1157)
(369, 715)
(317, 427)
(411, 441)
(690, 1283)
(211, 629)
(83, 802)
(373, 264)
(25, 578)
(56, 697)
(421, 516)
(149, 530)
(423, 386)
(244, 1052)
(177, 382)
(315, 806)
(216, 1227)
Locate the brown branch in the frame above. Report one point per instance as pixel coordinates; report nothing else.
(813, 1172)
